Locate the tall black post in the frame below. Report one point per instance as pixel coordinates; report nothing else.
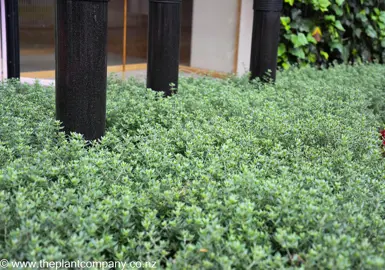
(265, 39)
(13, 42)
(81, 66)
(163, 45)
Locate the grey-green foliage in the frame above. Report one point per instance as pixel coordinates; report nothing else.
(223, 175)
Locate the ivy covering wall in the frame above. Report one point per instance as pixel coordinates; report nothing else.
(318, 32)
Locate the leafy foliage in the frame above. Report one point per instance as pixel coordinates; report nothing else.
(318, 32)
(224, 175)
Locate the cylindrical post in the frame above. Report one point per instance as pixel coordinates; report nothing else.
(13, 43)
(265, 39)
(163, 45)
(81, 66)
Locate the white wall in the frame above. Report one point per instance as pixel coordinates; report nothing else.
(1, 47)
(3, 43)
(214, 34)
(246, 30)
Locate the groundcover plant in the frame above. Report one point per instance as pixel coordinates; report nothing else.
(226, 174)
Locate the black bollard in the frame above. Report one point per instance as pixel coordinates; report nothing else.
(163, 45)
(13, 40)
(265, 39)
(81, 66)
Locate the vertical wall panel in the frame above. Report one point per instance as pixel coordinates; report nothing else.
(214, 34)
(246, 30)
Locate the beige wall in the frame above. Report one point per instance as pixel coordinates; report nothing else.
(214, 34)
(246, 29)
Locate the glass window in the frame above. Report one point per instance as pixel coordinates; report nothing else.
(37, 36)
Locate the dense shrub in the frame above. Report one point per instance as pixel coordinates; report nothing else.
(317, 32)
(226, 174)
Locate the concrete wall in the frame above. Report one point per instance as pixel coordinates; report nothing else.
(246, 29)
(214, 34)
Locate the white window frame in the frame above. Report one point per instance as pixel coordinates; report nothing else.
(3, 52)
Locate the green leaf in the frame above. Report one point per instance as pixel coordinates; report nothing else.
(381, 17)
(323, 5)
(362, 17)
(373, 17)
(311, 39)
(303, 64)
(330, 18)
(286, 65)
(383, 43)
(285, 21)
(382, 27)
(295, 13)
(298, 52)
(339, 26)
(337, 45)
(358, 32)
(299, 40)
(291, 2)
(371, 32)
(281, 49)
(324, 54)
(312, 58)
(338, 10)
(340, 2)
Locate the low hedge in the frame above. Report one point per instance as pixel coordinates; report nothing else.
(319, 32)
(223, 175)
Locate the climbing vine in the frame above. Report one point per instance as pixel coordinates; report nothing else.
(318, 32)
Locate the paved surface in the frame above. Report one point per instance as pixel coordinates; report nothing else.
(139, 74)
(46, 62)
(32, 63)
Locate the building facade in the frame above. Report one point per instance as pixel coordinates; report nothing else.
(215, 36)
